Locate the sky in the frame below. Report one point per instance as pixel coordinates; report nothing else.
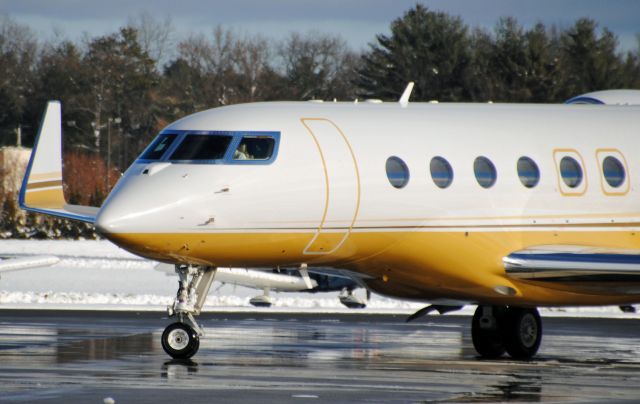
(357, 21)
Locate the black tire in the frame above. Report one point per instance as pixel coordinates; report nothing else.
(487, 341)
(522, 332)
(180, 341)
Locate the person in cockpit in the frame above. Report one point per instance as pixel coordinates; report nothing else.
(241, 153)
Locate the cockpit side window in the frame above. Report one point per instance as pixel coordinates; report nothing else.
(202, 147)
(254, 148)
(159, 146)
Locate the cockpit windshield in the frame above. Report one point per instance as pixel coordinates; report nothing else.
(214, 147)
(159, 146)
(202, 147)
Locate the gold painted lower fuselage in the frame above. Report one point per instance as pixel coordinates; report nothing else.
(420, 265)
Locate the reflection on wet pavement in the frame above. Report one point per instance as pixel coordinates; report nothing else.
(102, 348)
(76, 357)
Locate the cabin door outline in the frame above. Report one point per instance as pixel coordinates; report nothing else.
(342, 186)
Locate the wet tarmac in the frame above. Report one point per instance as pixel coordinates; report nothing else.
(270, 358)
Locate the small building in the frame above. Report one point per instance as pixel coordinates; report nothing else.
(13, 163)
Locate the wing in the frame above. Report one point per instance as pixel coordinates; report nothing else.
(41, 190)
(16, 264)
(596, 269)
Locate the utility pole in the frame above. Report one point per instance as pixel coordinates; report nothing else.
(109, 121)
(19, 136)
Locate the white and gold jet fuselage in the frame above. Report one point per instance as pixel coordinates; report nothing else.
(354, 186)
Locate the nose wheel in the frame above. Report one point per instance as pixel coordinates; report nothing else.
(180, 341)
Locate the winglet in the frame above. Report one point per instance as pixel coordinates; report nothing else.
(41, 190)
(42, 184)
(404, 99)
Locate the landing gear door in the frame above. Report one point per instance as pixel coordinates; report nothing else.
(342, 186)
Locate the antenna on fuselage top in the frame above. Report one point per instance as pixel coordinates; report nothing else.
(404, 98)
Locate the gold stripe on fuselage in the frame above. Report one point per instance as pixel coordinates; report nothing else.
(530, 219)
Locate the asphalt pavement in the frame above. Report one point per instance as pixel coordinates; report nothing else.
(116, 357)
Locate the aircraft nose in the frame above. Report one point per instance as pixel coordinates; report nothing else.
(126, 211)
(143, 204)
(137, 208)
(108, 219)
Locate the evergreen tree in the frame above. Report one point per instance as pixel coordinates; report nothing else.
(124, 88)
(62, 75)
(514, 65)
(430, 48)
(589, 61)
(18, 52)
(543, 75)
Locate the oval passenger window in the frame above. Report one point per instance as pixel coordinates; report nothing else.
(613, 171)
(397, 172)
(485, 172)
(570, 171)
(441, 172)
(528, 172)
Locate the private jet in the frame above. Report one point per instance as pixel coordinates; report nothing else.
(508, 207)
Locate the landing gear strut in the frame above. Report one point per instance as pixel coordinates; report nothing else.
(516, 330)
(181, 339)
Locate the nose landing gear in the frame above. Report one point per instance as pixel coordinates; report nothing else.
(181, 340)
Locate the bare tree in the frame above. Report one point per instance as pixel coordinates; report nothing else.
(16, 38)
(156, 37)
(317, 65)
(210, 66)
(251, 58)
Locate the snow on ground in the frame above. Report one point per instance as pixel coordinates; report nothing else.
(97, 275)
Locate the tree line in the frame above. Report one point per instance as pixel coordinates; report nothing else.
(451, 62)
(118, 90)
